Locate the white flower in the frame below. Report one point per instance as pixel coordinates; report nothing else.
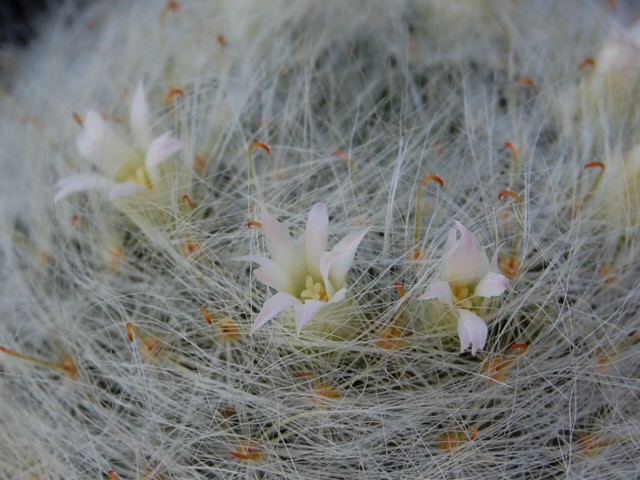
(306, 276)
(125, 167)
(465, 278)
(612, 85)
(621, 190)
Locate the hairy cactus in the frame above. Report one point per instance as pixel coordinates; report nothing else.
(366, 160)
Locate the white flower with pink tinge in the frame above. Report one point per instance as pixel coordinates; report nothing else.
(126, 167)
(306, 276)
(466, 277)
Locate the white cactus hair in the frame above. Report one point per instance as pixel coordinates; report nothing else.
(109, 366)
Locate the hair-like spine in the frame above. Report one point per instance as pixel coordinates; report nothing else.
(125, 326)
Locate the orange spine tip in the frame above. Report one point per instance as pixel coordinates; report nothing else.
(511, 149)
(6, 350)
(326, 390)
(241, 456)
(78, 119)
(586, 63)
(261, 146)
(432, 178)
(304, 375)
(254, 224)
(187, 199)
(199, 163)
(129, 329)
(172, 93)
(113, 475)
(341, 154)
(206, 315)
(172, 5)
(390, 338)
(526, 82)
(519, 346)
(599, 165)
(221, 40)
(508, 193)
(247, 450)
(400, 289)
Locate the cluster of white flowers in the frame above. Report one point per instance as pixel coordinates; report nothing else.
(327, 308)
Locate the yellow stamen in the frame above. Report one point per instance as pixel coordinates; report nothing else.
(314, 291)
(461, 297)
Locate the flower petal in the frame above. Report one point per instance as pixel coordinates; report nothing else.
(270, 273)
(464, 260)
(160, 150)
(103, 145)
(124, 189)
(316, 236)
(441, 291)
(472, 331)
(306, 312)
(81, 183)
(272, 307)
(279, 243)
(491, 285)
(339, 296)
(335, 265)
(139, 118)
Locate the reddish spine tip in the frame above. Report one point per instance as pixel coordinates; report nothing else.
(599, 165)
(187, 199)
(304, 375)
(508, 193)
(519, 346)
(206, 315)
(254, 224)
(78, 119)
(129, 330)
(432, 178)
(526, 82)
(400, 289)
(113, 475)
(5, 350)
(221, 40)
(586, 63)
(261, 146)
(511, 149)
(172, 93)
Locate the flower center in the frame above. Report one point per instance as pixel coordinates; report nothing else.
(141, 177)
(314, 291)
(461, 297)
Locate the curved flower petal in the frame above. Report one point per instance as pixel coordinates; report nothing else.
(316, 236)
(472, 331)
(270, 273)
(81, 182)
(279, 242)
(491, 285)
(441, 291)
(306, 312)
(272, 307)
(339, 296)
(101, 144)
(335, 265)
(139, 118)
(124, 189)
(464, 260)
(160, 150)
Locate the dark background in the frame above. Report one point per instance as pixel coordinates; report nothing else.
(19, 19)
